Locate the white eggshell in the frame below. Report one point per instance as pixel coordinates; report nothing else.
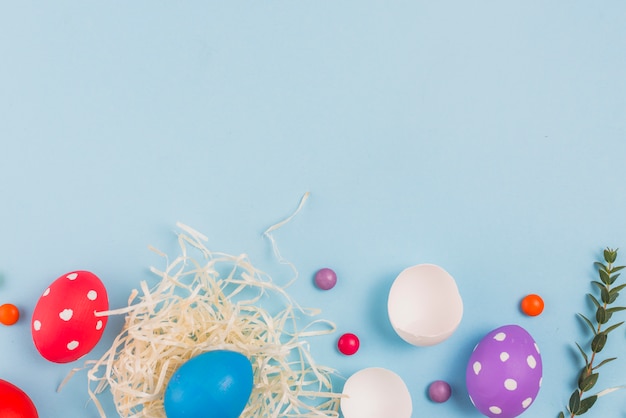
(376, 393)
(424, 305)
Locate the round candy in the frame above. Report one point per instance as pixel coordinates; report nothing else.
(503, 375)
(348, 344)
(15, 403)
(439, 391)
(65, 324)
(9, 314)
(532, 305)
(216, 384)
(325, 279)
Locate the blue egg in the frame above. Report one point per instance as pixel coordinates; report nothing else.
(216, 384)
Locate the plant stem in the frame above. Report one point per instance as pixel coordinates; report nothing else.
(588, 375)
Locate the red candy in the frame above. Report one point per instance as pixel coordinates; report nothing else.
(65, 326)
(348, 344)
(9, 314)
(14, 403)
(532, 305)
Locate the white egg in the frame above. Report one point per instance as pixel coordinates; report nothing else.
(424, 305)
(376, 393)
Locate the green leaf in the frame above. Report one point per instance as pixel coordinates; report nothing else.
(617, 268)
(561, 415)
(588, 382)
(610, 255)
(598, 342)
(604, 276)
(613, 278)
(603, 362)
(574, 402)
(600, 265)
(598, 284)
(612, 297)
(605, 295)
(594, 300)
(588, 322)
(601, 316)
(582, 352)
(616, 309)
(616, 289)
(611, 328)
(586, 404)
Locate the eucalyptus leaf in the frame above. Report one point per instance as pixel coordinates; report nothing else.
(582, 352)
(616, 309)
(586, 404)
(603, 362)
(617, 268)
(588, 322)
(588, 382)
(604, 276)
(601, 315)
(617, 289)
(613, 278)
(605, 295)
(598, 342)
(574, 402)
(594, 300)
(612, 327)
(598, 284)
(610, 255)
(600, 266)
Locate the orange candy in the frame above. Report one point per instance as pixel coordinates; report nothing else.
(532, 305)
(9, 314)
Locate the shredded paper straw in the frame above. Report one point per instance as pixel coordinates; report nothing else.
(208, 301)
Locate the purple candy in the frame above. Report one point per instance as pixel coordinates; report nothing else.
(503, 374)
(325, 279)
(439, 391)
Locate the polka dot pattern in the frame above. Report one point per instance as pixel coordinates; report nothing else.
(66, 314)
(477, 367)
(495, 410)
(504, 372)
(64, 325)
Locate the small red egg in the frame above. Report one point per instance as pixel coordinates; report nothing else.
(15, 403)
(348, 344)
(65, 326)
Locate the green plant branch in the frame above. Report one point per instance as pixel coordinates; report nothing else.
(588, 376)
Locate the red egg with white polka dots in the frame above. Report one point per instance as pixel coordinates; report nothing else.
(65, 324)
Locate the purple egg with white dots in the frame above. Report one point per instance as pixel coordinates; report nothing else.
(504, 372)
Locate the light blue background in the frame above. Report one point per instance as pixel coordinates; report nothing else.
(487, 137)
